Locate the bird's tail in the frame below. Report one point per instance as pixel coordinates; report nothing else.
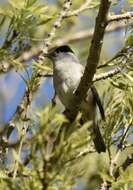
(98, 139)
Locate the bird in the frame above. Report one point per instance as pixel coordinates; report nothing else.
(67, 73)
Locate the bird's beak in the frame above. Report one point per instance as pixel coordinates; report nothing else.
(48, 55)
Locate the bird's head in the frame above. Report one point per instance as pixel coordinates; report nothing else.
(60, 53)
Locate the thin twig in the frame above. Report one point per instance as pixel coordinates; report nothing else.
(83, 7)
(118, 151)
(104, 186)
(124, 16)
(108, 74)
(57, 24)
(125, 164)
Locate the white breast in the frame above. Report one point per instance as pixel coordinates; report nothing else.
(67, 75)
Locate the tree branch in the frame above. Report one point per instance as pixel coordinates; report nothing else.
(107, 74)
(127, 15)
(82, 8)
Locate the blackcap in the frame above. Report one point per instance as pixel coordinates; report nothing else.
(67, 73)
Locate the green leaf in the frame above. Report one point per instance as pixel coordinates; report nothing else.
(2, 21)
(129, 41)
(129, 77)
(41, 8)
(30, 3)
(14, 4)
(44, 19)
(4, 11)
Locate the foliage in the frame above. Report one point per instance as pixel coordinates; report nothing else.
(39, 159)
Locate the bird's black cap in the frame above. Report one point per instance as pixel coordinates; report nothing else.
(63, 49)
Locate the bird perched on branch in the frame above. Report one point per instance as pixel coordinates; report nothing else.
(67, 73)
